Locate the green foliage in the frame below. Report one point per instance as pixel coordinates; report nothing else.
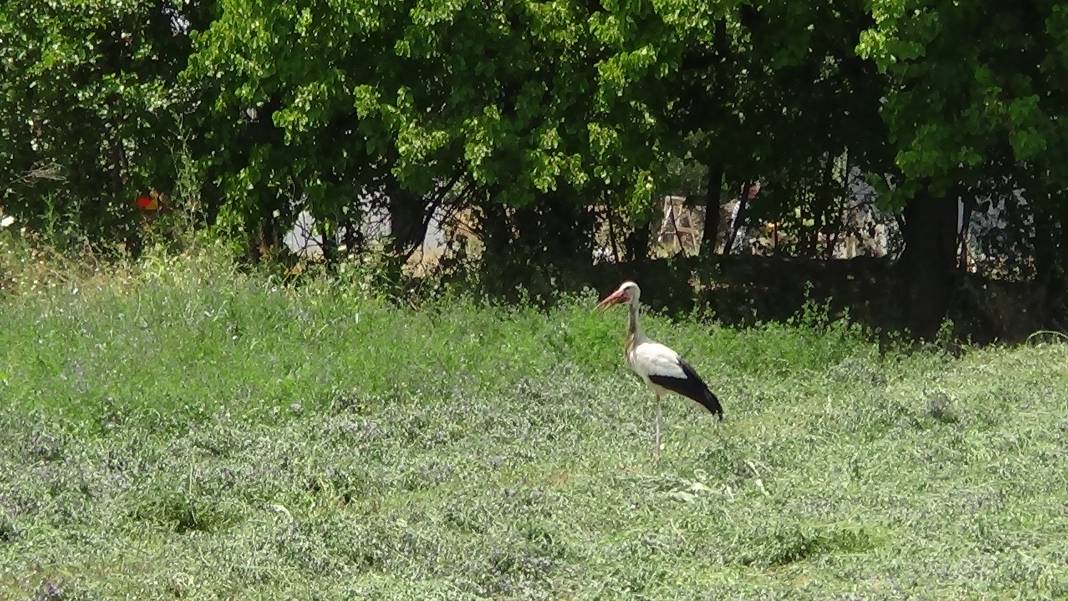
(964, 105)
(89, 107)
(323, 103)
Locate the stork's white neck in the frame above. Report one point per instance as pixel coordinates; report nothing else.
(632, 324)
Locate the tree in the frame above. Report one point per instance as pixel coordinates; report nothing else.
(406, 105)
(974, 98)
(87, 91)
(735, 86)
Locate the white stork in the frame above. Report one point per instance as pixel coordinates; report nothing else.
(661, 368)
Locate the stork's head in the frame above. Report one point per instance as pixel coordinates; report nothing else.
(628, 292)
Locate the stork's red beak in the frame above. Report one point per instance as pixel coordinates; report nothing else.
(613, 299)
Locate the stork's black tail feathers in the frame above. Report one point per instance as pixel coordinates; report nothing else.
(691, 387)
(711, 402)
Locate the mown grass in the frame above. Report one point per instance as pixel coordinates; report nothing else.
(177, 429)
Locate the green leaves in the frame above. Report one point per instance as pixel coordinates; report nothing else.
(323, 104)
(963, 102)
(90, 89)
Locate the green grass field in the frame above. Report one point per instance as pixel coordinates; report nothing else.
(179, 430)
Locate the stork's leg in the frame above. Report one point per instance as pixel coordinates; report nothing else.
(657, 429)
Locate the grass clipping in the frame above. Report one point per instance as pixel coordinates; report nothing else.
(182, 429)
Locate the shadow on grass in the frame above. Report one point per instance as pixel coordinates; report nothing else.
(744, 290)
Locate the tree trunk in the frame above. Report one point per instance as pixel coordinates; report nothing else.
(406, 219)
(498, 237)
(568, 227)
(739, 219)
(637, 241)
(495, 228)
(271, 236)
(1051, 238)
(962, 236)
(610, 217)
(329, 244)
(824, 201)
(712, 201)
(350, 225)
(929, 260)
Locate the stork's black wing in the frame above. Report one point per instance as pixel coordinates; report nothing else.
(690, 386)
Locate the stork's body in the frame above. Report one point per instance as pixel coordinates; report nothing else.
(661, 368)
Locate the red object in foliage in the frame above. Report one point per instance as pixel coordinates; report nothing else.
(147, 203)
